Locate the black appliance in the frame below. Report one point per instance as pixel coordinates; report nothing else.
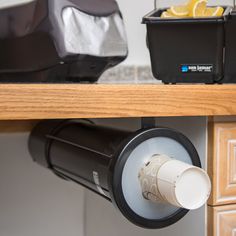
(110, 162)
(60, 40)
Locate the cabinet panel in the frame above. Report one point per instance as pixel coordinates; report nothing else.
(222, 163)
(222, 221)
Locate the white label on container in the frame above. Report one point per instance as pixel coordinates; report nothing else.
(196, 68)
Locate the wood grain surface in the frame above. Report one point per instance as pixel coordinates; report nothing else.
(15, 126)
(221, 220)
(222, 162)
(46, 101)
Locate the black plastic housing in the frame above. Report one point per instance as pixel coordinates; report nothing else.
(76, 150)
(29, 44)
(178, 44)
(230, 49)
(94, 156)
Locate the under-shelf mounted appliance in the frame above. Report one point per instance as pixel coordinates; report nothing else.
(153, 176)
(60, 40)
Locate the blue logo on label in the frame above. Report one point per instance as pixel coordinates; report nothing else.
(184, 69)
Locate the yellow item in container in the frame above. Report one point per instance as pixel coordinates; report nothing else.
(193, 9)
(197, 8)
(166, 14)
(179, 11)
(214, 11)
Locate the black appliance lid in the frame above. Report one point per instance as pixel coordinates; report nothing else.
(97, 7)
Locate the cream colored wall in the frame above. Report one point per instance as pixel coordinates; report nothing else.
(33, 201)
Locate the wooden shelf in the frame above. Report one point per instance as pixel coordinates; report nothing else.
(29, 102)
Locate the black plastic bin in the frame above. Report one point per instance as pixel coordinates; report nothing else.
(230, 49)
(186, 50)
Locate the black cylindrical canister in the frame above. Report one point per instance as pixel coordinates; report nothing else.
(109, 161)
(84, 158)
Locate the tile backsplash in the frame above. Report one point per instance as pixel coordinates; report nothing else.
(128, 74)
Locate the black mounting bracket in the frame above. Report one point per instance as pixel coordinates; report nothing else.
(148, 122)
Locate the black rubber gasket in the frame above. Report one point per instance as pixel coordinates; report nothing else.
(116, 171)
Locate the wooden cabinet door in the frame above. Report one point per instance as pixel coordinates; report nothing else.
(222, 163)
(222, 221)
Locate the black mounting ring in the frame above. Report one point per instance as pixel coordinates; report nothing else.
(116, 171)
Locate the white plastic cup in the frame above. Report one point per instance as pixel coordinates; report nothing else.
(177, 183)
(183, 185)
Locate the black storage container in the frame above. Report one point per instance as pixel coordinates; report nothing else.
(186, 50)
(230, 49)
